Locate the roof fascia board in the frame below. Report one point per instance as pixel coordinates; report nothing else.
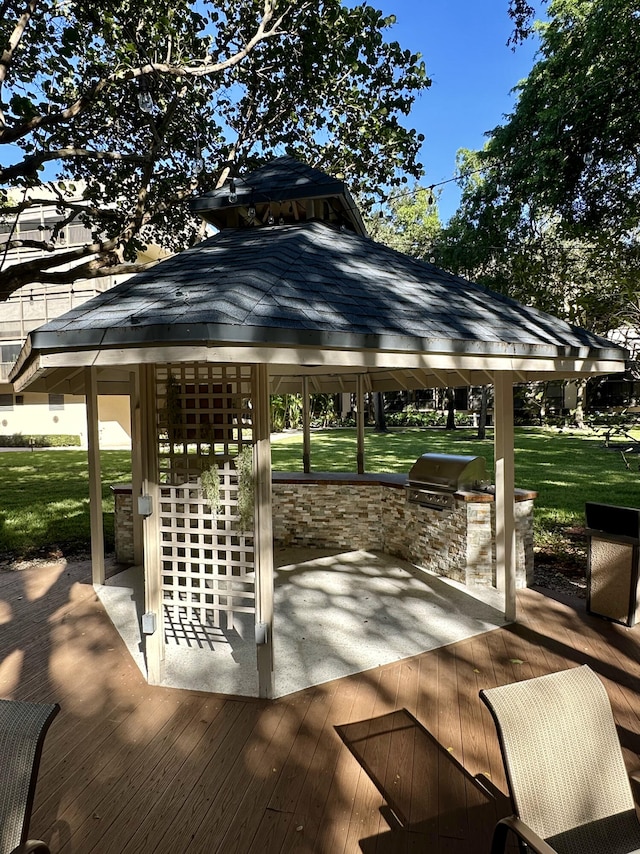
(48, 379)
(245, 195)
(302, 361)
(163, 336)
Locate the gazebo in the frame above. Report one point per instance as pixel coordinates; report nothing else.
(290, 296)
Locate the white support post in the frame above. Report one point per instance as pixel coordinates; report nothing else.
(153, 641)
(360, 422)
(505, 488)
(306, 426)
(263, 532)
(136, 464)
(95, 480)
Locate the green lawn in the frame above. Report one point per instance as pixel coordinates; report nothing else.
(44, 495)
(44, 500)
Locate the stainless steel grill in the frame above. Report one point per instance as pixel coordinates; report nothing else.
(435, 478)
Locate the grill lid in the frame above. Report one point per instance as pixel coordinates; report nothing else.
(448, 472)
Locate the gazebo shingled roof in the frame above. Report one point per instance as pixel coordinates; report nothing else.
(310, 288)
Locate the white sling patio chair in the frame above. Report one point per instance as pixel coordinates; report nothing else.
(23, 727)
(567, 779)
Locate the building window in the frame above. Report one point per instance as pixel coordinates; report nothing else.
(6, 403)
(9, 352)
(19, 400)
(56, 401)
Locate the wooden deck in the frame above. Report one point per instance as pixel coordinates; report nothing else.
(379, 762)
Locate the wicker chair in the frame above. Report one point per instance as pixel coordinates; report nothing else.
(23, 727)
(566, 775)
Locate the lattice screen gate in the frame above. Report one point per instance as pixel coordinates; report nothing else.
(205, 438)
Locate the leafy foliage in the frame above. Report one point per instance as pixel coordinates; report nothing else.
(571, 146)
(210, 480)
(286, 411)
(495, 242)
(521, 13)
(409, 222)
(552, 219)
(135, 107)
(246, 488)
(56, 440)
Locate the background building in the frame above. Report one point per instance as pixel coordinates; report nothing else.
(31, 414)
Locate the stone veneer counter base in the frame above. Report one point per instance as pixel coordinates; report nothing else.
(345, 511)
(371, 512)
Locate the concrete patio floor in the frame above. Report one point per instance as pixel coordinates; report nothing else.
(336, 614)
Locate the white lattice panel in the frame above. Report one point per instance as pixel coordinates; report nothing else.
(203, 412)
(204, 421)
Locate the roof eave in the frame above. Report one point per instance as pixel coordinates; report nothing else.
(345, 351)
(213, 334)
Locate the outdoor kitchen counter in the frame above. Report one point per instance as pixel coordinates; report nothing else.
(350, 511)
(395, 481)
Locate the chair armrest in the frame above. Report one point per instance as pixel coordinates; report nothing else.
(523, 832)
(634, 779)
(32, 846)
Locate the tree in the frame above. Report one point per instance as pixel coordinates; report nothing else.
(409, 222)
(532, 254)
(550, 208)
(450, 403)
(379, 414)
(136, 107)
(571, 144)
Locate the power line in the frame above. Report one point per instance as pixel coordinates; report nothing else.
(431, 187)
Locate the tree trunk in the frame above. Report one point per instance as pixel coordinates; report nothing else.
(543, 405)
(451, 411)
(482, 420)
(581, 389)
(380, 420)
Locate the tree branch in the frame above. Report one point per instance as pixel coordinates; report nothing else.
(102, 264)
(12, 44)
(45, 269)
(267, 28)
(30, 164)
(42, 245)
(58, 201)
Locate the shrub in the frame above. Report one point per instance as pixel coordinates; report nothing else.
(18, 440)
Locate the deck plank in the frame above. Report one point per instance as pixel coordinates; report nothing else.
(316, 789)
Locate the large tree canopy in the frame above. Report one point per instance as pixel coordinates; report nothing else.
(552, 216)
(126, 109)
(572, 144)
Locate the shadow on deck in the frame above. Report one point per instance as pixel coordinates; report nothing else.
(431, 799)
(379, 761)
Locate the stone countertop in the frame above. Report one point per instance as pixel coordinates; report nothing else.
(383, 478)
(397, 481)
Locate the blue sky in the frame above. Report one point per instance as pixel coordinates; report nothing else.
(463, 43)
